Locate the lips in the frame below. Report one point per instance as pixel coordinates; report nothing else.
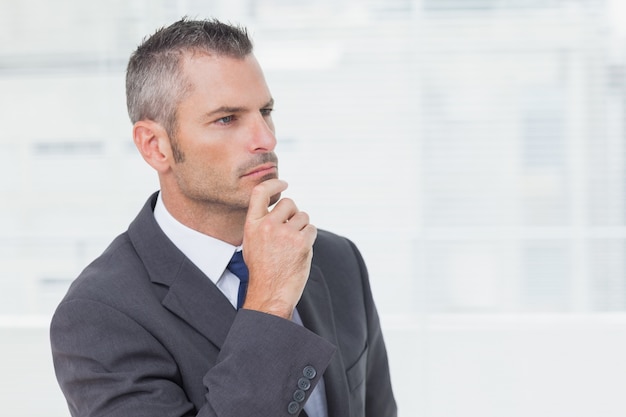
(261, 170)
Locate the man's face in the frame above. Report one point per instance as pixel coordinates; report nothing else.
(224, 133)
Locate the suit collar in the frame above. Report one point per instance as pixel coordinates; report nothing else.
(191, 295)
(209, 254)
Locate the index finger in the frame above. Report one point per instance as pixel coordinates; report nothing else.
(261, 196)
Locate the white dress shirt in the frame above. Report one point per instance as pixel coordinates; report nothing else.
(212, 256)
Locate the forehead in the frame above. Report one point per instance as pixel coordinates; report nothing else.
(224, 80)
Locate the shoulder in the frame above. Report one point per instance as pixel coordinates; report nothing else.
(337, 254)
(329, 244)
(120, 268)
(109, 274)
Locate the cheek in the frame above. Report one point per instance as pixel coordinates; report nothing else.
(218, 164)
(218, 154)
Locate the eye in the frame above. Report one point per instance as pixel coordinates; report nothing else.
(266, 112)
(225, 120)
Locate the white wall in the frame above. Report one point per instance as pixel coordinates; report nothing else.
(474, 154)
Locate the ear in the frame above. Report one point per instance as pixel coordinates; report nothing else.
(153, 144)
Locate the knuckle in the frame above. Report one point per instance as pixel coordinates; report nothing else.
(304, 216)
(302, 241)
(287, 203)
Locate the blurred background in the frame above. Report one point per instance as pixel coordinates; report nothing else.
(475, 150)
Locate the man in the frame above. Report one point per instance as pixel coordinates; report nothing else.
(162, 324)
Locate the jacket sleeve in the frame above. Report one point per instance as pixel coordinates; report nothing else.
(107, 364)
(275, 355)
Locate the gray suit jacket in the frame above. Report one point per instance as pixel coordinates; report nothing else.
(142, 332)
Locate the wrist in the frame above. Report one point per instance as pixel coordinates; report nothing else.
(275, 308)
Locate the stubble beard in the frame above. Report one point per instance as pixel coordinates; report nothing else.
(218, 195)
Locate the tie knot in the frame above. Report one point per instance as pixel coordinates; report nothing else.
(238, 267)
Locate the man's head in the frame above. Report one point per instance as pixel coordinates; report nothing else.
(155, 81)
(202, 118)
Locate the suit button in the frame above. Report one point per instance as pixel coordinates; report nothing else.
(309, 372)
(293, 407)
(299, 395)
(304, 384)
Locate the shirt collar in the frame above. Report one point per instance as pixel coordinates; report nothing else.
(209, 254)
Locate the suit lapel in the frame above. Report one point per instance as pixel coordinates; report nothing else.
(316, 312)
(196, 300)
(191, 295)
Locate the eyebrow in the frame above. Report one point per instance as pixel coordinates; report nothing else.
(228, 109)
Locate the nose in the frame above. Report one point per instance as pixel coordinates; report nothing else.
(262, 135)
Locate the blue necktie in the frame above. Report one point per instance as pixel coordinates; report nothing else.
(238, 267)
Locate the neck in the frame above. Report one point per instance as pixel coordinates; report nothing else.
(215, 220)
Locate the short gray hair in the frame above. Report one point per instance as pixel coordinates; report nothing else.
(155, 84)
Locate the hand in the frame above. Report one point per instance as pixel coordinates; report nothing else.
(278, 248)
